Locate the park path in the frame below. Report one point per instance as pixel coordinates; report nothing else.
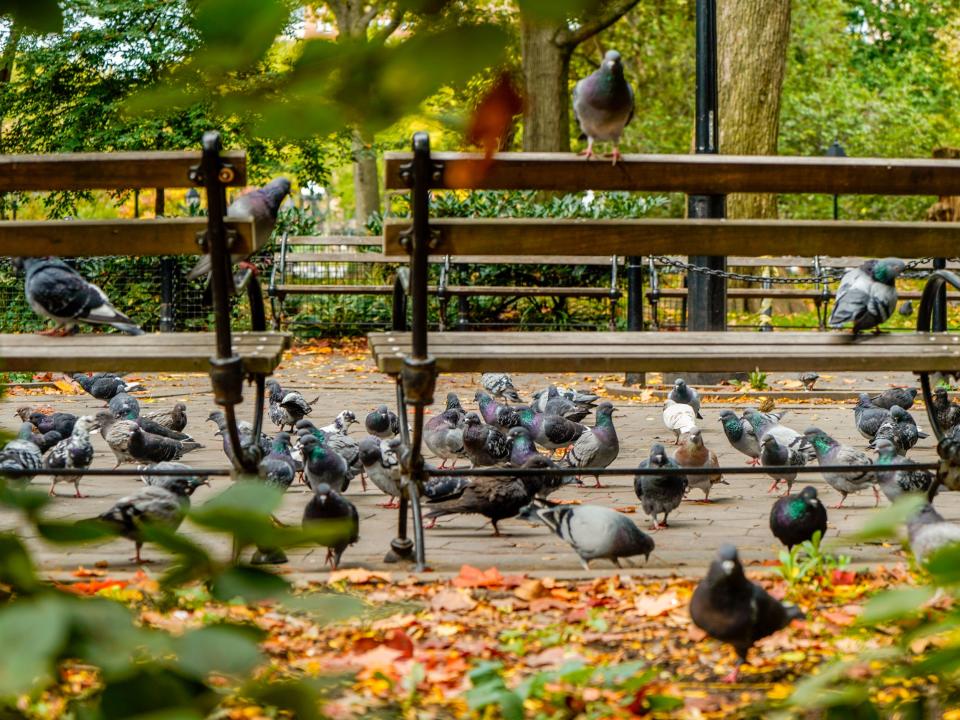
(348, 380)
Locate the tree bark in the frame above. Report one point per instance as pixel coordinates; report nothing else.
(752, 36)
(9, 53)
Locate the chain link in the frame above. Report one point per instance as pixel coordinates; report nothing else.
(826, 274)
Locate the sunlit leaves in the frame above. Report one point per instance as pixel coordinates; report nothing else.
(895, 604)
(222, 649)
(32, 633)
(554, 10)
(38, 15)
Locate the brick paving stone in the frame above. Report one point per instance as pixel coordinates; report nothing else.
(740, 514)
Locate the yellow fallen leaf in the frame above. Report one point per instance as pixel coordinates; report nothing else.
(68, 387)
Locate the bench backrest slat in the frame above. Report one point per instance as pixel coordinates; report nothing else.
(108, 171)
(324, 240)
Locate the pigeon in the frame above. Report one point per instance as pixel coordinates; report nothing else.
(340, 443)
(692, 453)
(379, 458)
(157, 506)
(165, 481)
(382, 422)
(893, 482)
(453, 403)
(599, 446)
(322, 465)
(522, 447)
(60, 421)
(946, 411)
(904, 397)
(581, 399)
(484, 445)
(867, 295)
(145, 446)
(929, 533)
(741, 436)
(444, 485)
(659, 493)
(286, 408)
(552, 403)
(104, 386)
(278, 469)
(45, 441)
(809, 379)
(775, 453)
(594, 532)
(262, 445)
(74, 452)
(906, 308)
(117, 434)
(500, 416)
(769, 423)
(155, 428)
(550, 431)
(603, 104)
(341, 423)
(868, 418)
(678, 417)
(795, 518)
(496, 498)
(123, 405)
(730, 608)
(830, 452)
(57, 292)
(20, 454)
(444, 437)
(329, 507)
(683, 393)
(545, 485)
(174, 419)
(900, 429)
(497, 384)
(261, 204)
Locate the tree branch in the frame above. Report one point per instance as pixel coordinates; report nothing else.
(391, 27)
(614, 11)
(369, 16)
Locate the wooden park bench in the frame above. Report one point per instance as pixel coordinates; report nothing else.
(230, 357)
(339, 253)
(414, 358)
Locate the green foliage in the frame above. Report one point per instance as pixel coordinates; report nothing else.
(809, 563)
(758, 379)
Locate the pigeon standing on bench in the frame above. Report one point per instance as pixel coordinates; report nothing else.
(683, 393)
(901, 396)
(598, 446)
(74, 452)
(730, 608)
(382, 422)
(867, 295)
(104, 386)
(499, 385)
(741, 436)
(603, 104)
(21, 454)
(57, 292)
(830, 452)
(261, 204)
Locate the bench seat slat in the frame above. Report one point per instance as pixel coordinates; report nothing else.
(677, 352)
(160, 352)
(345, 257)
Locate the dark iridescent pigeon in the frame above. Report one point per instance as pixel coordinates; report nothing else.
(795, 518)
(60, 421)
(57, 292)
(521, 446)
(147, 447)
(46, 440)
(382, 422)
(867, 417)
(21, 454)
(261, 204)
(901, 396)
(893, 482)
(104, 386)
(599, 446)
(337, 513)
(659, 493)
(484, 444)
(278, 469)
(867, 295)
(730, 608)
(75, 452)
(124, 405)
(493, 413)
(603, 104)
(551, 431)
(741, 435)
(323, 465)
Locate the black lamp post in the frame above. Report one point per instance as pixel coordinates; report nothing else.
(836, 150)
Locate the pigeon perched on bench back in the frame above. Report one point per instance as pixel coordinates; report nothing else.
(57, 292)
(603, 104)
(867, 295)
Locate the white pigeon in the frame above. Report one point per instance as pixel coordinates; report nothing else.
(679, 418)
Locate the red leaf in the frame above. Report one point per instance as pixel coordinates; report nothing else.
(844, 577)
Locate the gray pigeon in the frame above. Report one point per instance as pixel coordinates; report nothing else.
(551, 431)
(123, 405)
(382, 422)
(278, 468)
(685, 395)
(287, 407)
(599, 446)
(775, 453)
(453, 403)
(145, 446)
(158, 506)
(104, 386)
(379, 458)
(57, 292)
(741, 436)
(174, 419)
(261, 204)
(322, 465)
(947, 412)
(117, 434)
(603, 104)
(809, 379)
(483, 444)
(21, 454)
(74, 452)
(659, 493)
(906, 308)
(868, 418)
(499, 385)
(46, 440)
(340, 443)
(901, 396)
(769, 423)
(329, 507)
(900, 432)
(248, 443)
(551, 402)
(730, 608)
(493, 413)
(929, 532)
(830, 452)
(867, 295)
(166, 481)
(594, 532)
(893, 482)
(444, 437)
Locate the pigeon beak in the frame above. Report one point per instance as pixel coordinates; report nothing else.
(727, 566)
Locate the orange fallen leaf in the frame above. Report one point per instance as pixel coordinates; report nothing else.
(358, 576)
(67, 387)
(654, 605)
(93, 587)
(86, 572)
(531, 589)
(475, 577)
(626, 509)
(452, 601)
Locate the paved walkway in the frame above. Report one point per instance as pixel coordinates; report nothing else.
(740, 514)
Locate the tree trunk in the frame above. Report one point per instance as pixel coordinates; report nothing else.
(546, 64)
(752, 36)
(366, 180)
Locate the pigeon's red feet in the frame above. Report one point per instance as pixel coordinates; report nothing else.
(753, 461)
(587, 154)
(391, 504)
(773, 486)
(732, 676)
(838, 505)
(79, 494)
(876, 496)
(433, 524)
(55, 332)
(616, 155)
(598, 485)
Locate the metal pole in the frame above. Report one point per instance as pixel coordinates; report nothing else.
(166, 274)
(634, 308)
(939, 317)
(707, 306)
